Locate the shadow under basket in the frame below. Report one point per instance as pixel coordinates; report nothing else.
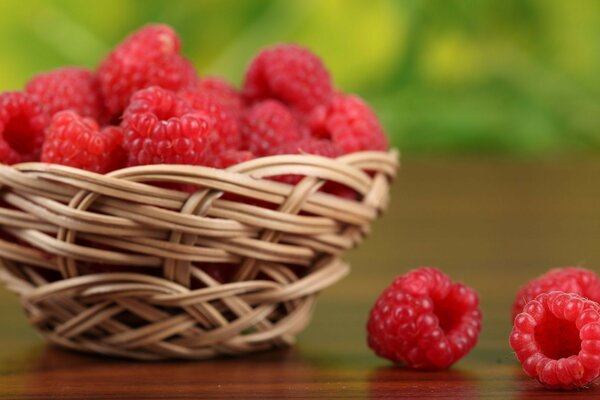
(175, 261)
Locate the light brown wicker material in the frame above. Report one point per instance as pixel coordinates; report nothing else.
(59, 223)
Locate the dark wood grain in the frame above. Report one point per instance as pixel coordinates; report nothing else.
(490, 223)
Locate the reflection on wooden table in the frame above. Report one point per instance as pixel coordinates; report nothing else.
(490, 223)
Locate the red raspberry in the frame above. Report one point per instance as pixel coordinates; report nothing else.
(228, 96)
(557, 340)
(576, 280)
(225, 122)
(319, 147)
(268, 125)
(161, 128)
(229, 158)
(79, 142)
(425, 320)
(350, 123)
(22, 124)
(148, 57)
(291, 74)
(69, 88)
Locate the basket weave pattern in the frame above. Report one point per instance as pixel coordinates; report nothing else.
(58, 223)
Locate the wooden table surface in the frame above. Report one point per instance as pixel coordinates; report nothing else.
(490, 223)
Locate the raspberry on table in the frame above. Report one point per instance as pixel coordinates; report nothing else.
(22, 124)
(556, 338)
(228, 96)
(69, 88)
(350, 123)
(161, 128)
(79, 142)
(268, 125)
(224, 121)
(424, 320)
(576, 280)
(291, 74)
(148, 57)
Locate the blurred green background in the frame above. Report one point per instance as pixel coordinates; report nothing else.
(515, 77)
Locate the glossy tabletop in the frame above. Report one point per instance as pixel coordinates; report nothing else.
(491, 223)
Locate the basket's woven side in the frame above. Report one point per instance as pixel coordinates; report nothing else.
(119, 264)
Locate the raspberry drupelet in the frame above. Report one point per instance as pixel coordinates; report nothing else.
(22, 124)
(69, 88)
(291, 74)
(79, 142)
(161, 128)
(148, 57)
(557, 340)
(424, 320)
(576, 280)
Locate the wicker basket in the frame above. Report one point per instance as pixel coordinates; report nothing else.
(113, 264)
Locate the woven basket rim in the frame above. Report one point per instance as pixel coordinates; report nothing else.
(122, 218)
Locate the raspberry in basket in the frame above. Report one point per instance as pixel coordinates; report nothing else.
(350, 123)
(268, 125)
(149, 57)
(576, 280)
(79, 142)
(291, 74)
(310, 145)
(556, 338)
(225, 121)
(22, 124)
(318, 147)
(229, 158)
(424, 320)
(161, 128)
(228, 96)
(67, 88)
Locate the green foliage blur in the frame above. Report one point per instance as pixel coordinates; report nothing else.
(518, 77)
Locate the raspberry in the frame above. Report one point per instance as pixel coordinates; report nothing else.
(161, 128)
(576, 280)
(148, 57)
(228, 96)
(225, 122)
(229, 158)
(291, 74)
(557, 340)
(78, 142)
(319, 147)
(350, 123)
(69, 88)
(22, 124)
(268, 125)
(424, 320)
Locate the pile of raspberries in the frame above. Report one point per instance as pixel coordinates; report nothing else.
(145, 104)
(424, 320)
